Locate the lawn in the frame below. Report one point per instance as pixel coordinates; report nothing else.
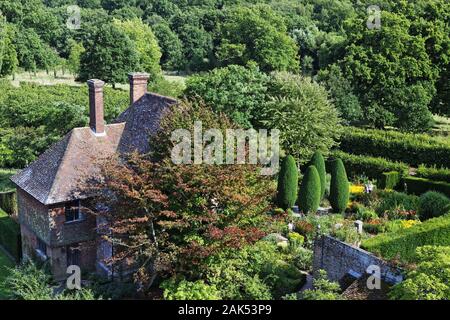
(5, 183)
(5, 262)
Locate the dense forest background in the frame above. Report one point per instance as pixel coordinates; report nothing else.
(395, 75)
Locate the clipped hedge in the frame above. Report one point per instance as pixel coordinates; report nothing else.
(8, 202)
(419, 186)
(371, 167)
(433, 173)
(414, 149)
(389, 180)
(318, 161)
(339, 187)
(310, 193)
(10, 235)
(403, 243)
(287, 183)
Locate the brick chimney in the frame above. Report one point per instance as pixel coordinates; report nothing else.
(96, 122)
(138, 86)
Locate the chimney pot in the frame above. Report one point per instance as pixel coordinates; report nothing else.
(96, 122)
(138, 85)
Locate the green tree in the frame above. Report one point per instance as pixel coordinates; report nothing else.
(339, 187)
(76, 50)
(256, 33)
(110, 55)
(145, 43)
(287, 183)
(171, 46)
(237, 91)
(309, 195)
(318, 162)
(8, 54)
(300, 109)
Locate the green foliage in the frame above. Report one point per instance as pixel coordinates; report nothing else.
(389, 180)
(318, 161)
(339, 187)
(187, 290)
(287, 183)
(8, 202)
(76, 49)
(300, 109)
(237, 91)
(429, 279)
(310, 193)
(402, 244)
(371, 167)
(29, 282)
(323, 289)
(171, 46)
(260, 271)
(259, 34)
(10, 235)
(145, 42)
(394, 202)
(419, 186)
(433, 173)
(8, 54)
(110, 55)
(413, 149)
(433, 204)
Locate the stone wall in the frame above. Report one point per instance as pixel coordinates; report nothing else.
(339, 259)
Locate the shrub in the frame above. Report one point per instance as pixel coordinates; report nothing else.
(430, 279)
(339, 188)
(287, 183)
(318, 161)
(365, 214)
(389, 180)
(393, 203)
(414, 149)
(419, 186)
(323, 289)
(402, 244)
(371, 167)
(305, 228)
(296, 239)
(309, 196)
(189, 290)
(433, 173)
(433, 204)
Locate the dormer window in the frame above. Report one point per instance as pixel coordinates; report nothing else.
(73, 212)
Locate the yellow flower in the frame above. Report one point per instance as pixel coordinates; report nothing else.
(356, 189)
(406, 224)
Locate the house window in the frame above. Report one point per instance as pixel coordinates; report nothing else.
(41, 249)
(73, 212)
(73, 255)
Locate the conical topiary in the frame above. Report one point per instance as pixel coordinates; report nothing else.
(309, 196)
(318, 162)
(339, 187)
(287, 183)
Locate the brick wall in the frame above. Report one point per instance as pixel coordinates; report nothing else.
(339, 258)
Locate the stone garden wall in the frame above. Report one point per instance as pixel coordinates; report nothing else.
(339, 259)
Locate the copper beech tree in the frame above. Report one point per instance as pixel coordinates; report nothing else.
(165, 219)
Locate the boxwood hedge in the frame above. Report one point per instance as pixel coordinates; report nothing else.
(402, 244)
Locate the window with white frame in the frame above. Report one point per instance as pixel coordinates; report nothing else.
(73, 211)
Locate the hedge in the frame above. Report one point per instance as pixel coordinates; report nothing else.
(414, 149)
(403, 243)
(419, 186)
(8, 202)
(433, 173)
(339, 187)
(389, 180)
(371, 167)
(10, 235)
(287, 183)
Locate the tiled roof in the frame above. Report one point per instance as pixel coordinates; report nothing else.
(56, 175)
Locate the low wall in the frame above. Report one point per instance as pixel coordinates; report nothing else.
(339, 259)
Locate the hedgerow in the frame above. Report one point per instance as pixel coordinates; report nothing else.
(433, 173)
(414, 149)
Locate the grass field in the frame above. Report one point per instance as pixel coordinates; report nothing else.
(442, 126)
(5, 183)
(5, 262)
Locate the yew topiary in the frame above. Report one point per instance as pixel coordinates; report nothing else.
(287, 183)
(310, 192)
(318, 162)
(339, 187)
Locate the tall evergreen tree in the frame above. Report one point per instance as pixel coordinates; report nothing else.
(287, 183)
(339, 188)
(309, 196)
(318, 161)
